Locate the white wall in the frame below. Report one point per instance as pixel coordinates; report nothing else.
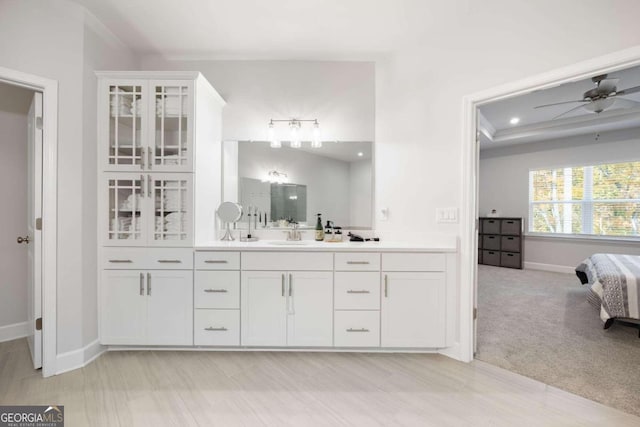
(360, 193)
(341, 95)
(327, 179)
(507, 169)
(48, 39)
(14, 105)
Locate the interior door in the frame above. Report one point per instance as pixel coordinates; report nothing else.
(34, 229)
(310, 309)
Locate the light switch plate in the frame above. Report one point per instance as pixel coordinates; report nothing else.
(447, 215)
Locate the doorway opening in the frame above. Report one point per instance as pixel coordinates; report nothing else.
(33, 188)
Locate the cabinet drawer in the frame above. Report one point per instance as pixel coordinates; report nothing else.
(510, 244)
(147, 258)
(357, 290)
(216, 327)
(491, 258)
(357, 261)
(510, 259)
(491, 226)
(357, 329)
(511, 226)
(287, 261)
(413, 262)
(217, 260)
(491, 242)
(217, 289)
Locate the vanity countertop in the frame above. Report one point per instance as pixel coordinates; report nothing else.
(433, 245)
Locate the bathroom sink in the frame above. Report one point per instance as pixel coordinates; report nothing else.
(289, 243)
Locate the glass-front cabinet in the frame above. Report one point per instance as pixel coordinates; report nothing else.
(149, 209)
(150, 125)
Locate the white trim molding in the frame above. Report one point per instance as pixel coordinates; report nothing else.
(14, 331)
(49, 89)
(468, 245)
(549, 267)
(80, 358)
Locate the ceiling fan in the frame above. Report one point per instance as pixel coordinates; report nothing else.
(600, 97)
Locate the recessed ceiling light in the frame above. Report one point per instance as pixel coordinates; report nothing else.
(360, 154)
(514, 120)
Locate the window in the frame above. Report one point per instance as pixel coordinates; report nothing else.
(599, 200)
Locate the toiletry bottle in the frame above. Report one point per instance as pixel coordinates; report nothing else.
(319, 230)
(328, 232)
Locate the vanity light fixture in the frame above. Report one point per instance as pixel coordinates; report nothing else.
(295, 127)
(276, 177)
(514, 120)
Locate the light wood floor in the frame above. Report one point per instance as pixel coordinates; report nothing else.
(296, 389)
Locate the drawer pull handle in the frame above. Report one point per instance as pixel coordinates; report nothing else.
(169, 261)
(120, 261)
(358, 262)
(357, 330)
(509, 254)
(386, 286)
(220, 291)
(149, 284)
(141, 284)
(351, 291)
(216, 261)
(212, 329)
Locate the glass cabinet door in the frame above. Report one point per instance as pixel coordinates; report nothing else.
(172, 135)
(126, 209)
(125, 127)
(172, 201)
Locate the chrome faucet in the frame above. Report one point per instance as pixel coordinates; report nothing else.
(294, 234)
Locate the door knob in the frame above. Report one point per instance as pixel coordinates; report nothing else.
(23, 239)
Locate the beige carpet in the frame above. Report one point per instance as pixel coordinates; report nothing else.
(539, 324)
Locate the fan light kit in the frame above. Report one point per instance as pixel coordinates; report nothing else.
(295, 126)
(600, 98)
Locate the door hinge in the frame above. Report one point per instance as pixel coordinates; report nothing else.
(39, 123)
(39, 324)
(475, 313)
(38, 223)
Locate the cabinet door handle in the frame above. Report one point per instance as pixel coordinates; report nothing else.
(141, 158)
(169, 261)
(120, 261)
(149, 185)
(290, 283)
(150, 157)
(351, 291)
(282, 284)
(358, 262)
(141, 284)
(142, 187)
(211, 328)
(216, 261)
(386, 286)
(357, 330)
(149, 284)
(218, 291)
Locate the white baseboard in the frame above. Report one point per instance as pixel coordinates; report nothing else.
(549, 267)
(79, 358)
(13, 332)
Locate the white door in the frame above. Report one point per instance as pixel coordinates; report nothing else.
(34, 231)
(263, 308)
(413, 310)
(310, 309)
(169, 307)
(123, 305)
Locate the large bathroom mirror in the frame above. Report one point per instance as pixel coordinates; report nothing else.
(284, 185)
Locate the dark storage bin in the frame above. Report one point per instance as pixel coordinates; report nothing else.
(491, 242)
(479, 256)
(491, 258)
(510, 259)
(510, 244)
(480, 226)
(511, 226)
(491, 226)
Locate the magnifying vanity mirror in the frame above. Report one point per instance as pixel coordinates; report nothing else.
(229, 213)
(287, 185)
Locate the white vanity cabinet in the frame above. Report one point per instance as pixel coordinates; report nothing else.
(140, 305)
(413, 301)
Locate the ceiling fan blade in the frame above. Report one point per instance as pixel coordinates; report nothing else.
(607, 85)
(625, 103)
(628, 91)
(567, 112)
(560, 103)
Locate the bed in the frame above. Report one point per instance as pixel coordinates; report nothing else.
(614, 282)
